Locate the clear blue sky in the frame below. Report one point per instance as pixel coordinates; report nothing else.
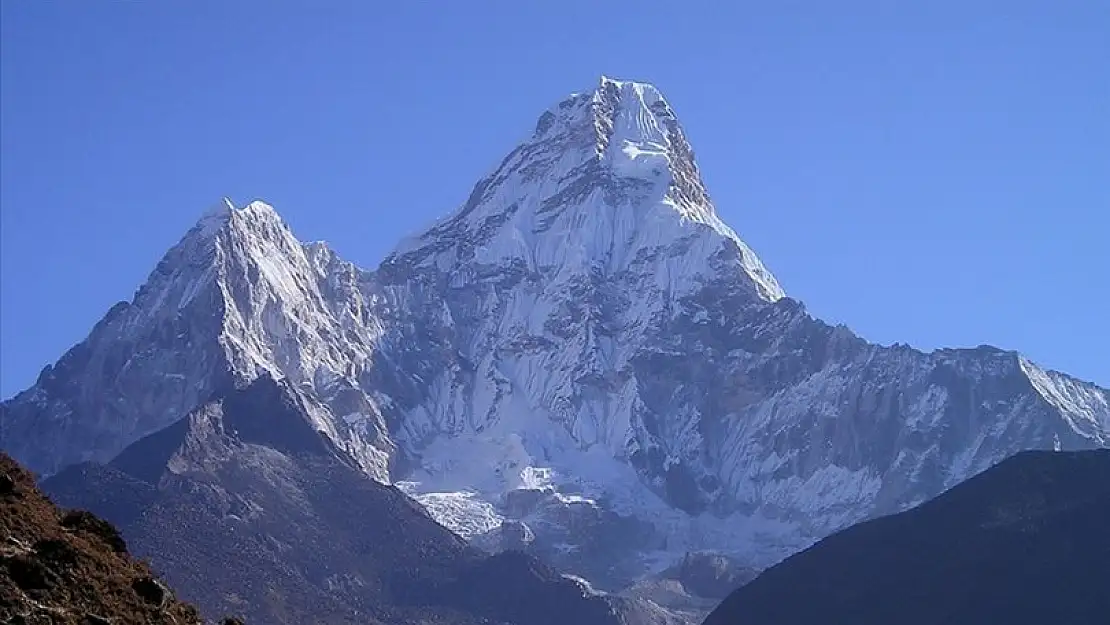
(937, 175)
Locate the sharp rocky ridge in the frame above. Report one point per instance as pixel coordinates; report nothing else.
(583, 361)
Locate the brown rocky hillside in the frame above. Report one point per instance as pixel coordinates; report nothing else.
(69, 567)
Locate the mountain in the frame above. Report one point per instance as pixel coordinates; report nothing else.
(1023, 543)
(248, 510)
(68, 566)
(582, 362)
(236, 298)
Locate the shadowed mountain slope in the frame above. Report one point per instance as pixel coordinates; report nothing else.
(1024, 543)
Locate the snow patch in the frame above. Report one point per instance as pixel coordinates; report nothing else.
(461, 512)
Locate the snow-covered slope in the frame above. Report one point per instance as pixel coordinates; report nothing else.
(583, 360)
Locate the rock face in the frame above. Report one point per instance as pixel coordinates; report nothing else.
(1023, 543)
(582, 361)
(71, 567)
(249, 510)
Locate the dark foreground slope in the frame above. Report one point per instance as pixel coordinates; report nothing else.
(248, 509)
(70, 567)
(1025, 542)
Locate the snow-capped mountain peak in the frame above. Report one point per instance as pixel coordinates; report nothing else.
(217, 214)
(582, 360)
(237, 297)
(607, 180)
(221, 213)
